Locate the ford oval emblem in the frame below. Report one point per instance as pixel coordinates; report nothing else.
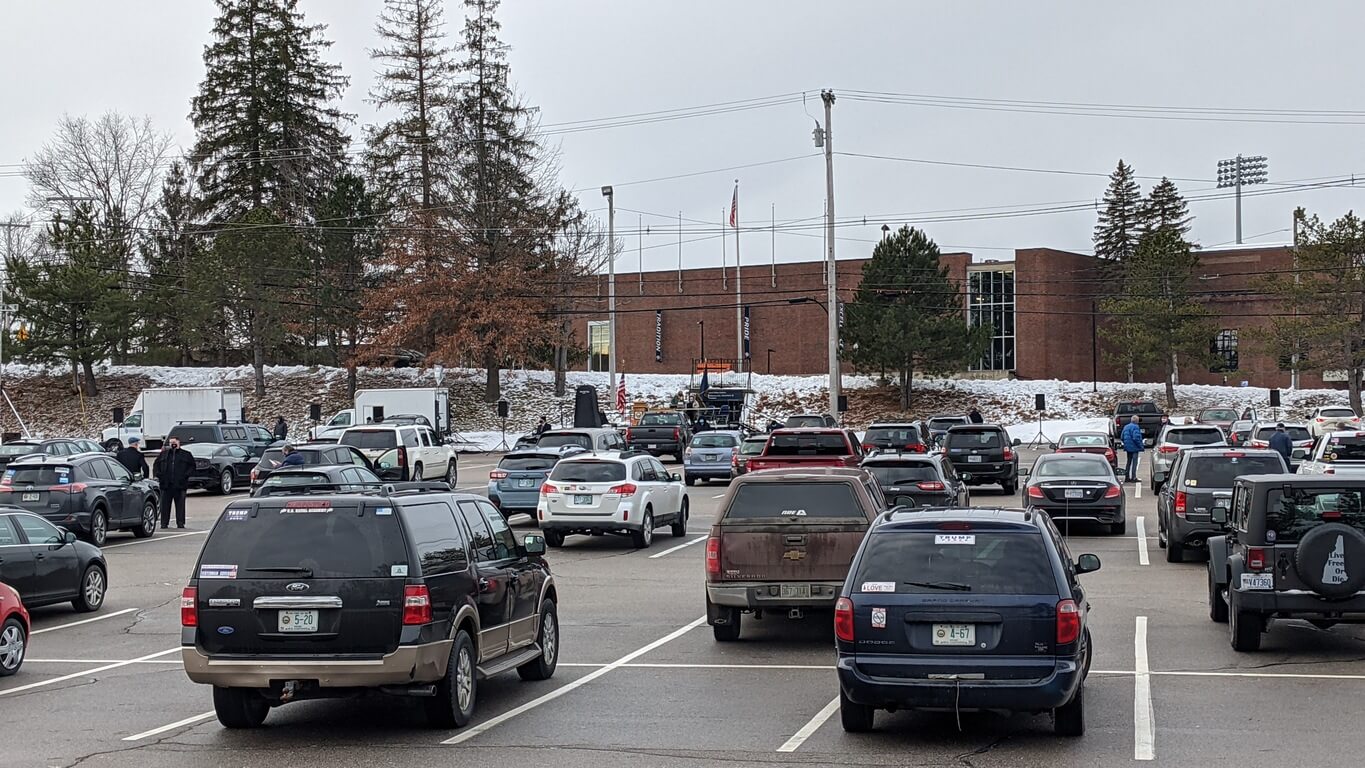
(226, 630)
(297, 586)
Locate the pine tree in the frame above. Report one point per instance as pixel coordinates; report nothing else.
(181, 304)
(1120, 220)
(1164, 208)
(349, 246)
(907, 313)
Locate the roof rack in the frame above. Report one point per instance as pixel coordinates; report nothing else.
(384, 489)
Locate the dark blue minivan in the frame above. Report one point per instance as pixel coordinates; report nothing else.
(959, 610)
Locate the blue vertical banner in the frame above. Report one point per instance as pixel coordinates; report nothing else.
(747, 354)
(658, 335)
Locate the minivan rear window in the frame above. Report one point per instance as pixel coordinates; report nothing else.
(1220, 471)
(991, 563)
(370, 439)
(527, 463)
(824, 444)
(1193, 436)
(793, 501)
(1344, 448)
(713, 440)
(1338, 412)
(331, 543)
(974, 438)
(589, 472)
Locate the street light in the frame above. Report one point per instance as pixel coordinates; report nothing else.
(1236, 173)
(808, 300)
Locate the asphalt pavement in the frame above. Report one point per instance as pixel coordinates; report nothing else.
(642, 682)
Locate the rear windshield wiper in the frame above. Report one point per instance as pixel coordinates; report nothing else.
(949, 585)
(285, 569)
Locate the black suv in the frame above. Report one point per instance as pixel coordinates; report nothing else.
(415, 592)
(1199, 479)
(253, 437)
(1294, 548)
(917, 480)
(89, 493)
(964, 610)
(983, 453)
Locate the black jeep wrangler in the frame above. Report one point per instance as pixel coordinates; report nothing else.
(1294, 549)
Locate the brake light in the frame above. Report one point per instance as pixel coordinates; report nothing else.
(713, 556)
(546, 488)
(628, 434)
(1319, 419)
(68, 488)
(843, 619)
(416, 604)
(1181, 500)
(734, 459)
(677, 433)
(497, 474)
(1169, 448)
(255, 474)
(687, 452)
(1114, 492)
(1109, 454)
(624, 489)
(1331, 514)
(869, 447)
(402, 456)
(955, 526)
(1034, 492)
(1256, 560)
(930, 485)
(1234, 454)
(1068, 622)
(916, 448)
(1009, 455)
(189, 607)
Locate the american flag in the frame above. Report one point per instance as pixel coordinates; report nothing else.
(734, 208)
(621, 394)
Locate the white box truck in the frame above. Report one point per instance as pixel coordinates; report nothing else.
(412, 404)
(158, 409)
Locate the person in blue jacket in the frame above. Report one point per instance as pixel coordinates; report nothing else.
(1132, 444)
(1280, 443)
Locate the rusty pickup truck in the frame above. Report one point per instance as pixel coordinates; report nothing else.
(783, 543)
(808, 448)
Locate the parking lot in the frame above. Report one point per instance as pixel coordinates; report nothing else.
(641, 681)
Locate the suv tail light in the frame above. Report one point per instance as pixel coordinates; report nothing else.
(68, 488)
(1009, 455)
(189, 607)
(734, 459)
(677, 433)
(1034, 492)
(1068, 622)
(916, 448)
(843, 619)
(713, 556)
(1109, 454)
(1319, 419)
(1114, 492)
(624, 489)
(627, 434)
(1256, 559)
(497, 474)
(1181, 500)
(416, 604)
(1169, 448)
(869, 447)
(930, 485)
(255, 473)
(402, 456)
(546, 488)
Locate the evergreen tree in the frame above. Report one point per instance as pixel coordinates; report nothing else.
(907, 313)
(181, 307)
(1164, 208)
(1120, 220)
(268, 300)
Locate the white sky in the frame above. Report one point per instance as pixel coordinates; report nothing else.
(584, 59)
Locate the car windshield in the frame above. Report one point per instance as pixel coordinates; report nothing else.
(370, 439)
(1131, 409)
(793, 501)
(535, 462)
(822, 444)
(202, 434)
(903, 473)
(1219, 414)
(1337, 413)
(1084, 441)
(974, 438)
(12, 450)
(1074, 465)
(561, 439)
(1193, 436)
(1344, 448)
(892, 436)
(753, 447)
(589, 472)
(1292, 515)
(1220, 471)
(661, 420)
(202, 450)
(1297, 434)
(38, 475)
(713, 440)
(991, 563)
(796, 422)
(308, 537)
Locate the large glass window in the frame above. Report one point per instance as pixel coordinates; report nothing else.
(1224, 349)
(599, 345)
(990, 302)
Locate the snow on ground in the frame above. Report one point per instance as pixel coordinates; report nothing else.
(1054, 429)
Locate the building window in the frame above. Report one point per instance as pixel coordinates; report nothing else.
(990, 301)
(1224, 350)
(599, 345)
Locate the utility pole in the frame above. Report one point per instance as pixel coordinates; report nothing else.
(1241, 171)
(611, 291)
(832, 294)
(739, 297)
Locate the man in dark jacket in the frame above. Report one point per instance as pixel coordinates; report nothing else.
(1281, 444)
(974, 416)
(173, 467)
(132, 459)
(281, 429)
(292, 458)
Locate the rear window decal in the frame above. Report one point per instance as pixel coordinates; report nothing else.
(384, 511)
(306, 507)
(879, 618)
(237, 514)
(217, 571)
(955, 538)
(1191, 482)
(878, 586)
(793, 513)
(398, 570)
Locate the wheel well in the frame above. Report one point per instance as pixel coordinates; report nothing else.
(551, 594)
(468, 626)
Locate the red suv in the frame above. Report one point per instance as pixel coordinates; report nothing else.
(14, 624)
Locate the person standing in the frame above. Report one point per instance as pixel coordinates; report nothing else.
(173, 467)
(1281, 444)
(281, 429)
(1132, 444)
(543, 426)
(974, 416)
(132, 459)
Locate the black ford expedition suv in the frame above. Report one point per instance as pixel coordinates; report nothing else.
(415, 592)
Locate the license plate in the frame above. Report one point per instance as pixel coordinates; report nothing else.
(974, 459)
(30, 497)
(710, 458)
(652, 445)
(1258, 581)
(525, 482)
(582, 498)
(1075, 493)
(793, 590)
(298, 621)
(954, 634)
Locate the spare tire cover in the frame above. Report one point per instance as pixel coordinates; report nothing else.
(1330, 559)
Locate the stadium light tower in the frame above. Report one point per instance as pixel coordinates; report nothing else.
(1238, 172)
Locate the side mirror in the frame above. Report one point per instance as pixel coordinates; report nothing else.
(534, 545)
(67, 536)
(1025, 471)
(1087, 564)
(1016, 442)
(1219, 515)
(674, 477)
(1052, 446)
(126, 479)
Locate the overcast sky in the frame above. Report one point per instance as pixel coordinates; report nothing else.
(588, 59)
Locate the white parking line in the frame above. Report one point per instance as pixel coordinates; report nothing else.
(800, 736)
(101, 617)
(1144, 727)
(719, 496)
(1142, 541)
(1137, 490)
(152, 539)
(492, 723)
(643, 665)
(170, 727)
(680, 546)
(88, 672)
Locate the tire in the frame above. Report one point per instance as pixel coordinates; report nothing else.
(13, 644)
(1175, 553)
(99, 527)
(417, 473)
(1010, 488)
(1244, 631)
(856, 718)
(148, 526)
(645, 536)
(729, 631)
(1069, 719)
(1120, 528)
(548, 638)
(453, 475)
(239, 707)
(94, 584)
(1218, 607)
(554, 539)
(453, 704)
(225, 483)
(691, 481)
(680, 523)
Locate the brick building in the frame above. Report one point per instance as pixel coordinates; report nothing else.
(1039, 302)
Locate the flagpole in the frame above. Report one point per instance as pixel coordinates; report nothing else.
(724, 255)
(680, 289)
(774, 245)
(739, 297)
